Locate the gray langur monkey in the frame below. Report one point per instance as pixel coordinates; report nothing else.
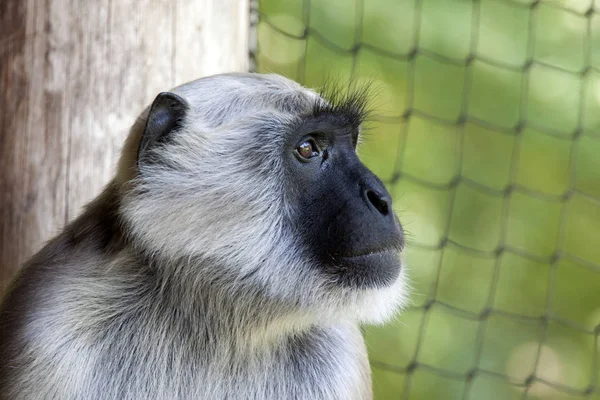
(233, 256)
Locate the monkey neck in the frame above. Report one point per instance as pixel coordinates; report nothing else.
(243, 319)
(208, 308)
(216, 310)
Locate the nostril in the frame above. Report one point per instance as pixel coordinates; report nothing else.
(380, 203)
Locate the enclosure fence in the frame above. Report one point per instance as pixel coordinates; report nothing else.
(526, 246)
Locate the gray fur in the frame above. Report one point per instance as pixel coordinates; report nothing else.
(183, 281)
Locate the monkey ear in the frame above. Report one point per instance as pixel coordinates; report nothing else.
(166, 114)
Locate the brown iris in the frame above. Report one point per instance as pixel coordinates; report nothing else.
(307, 149)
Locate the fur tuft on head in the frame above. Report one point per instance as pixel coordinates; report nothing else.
(349, 101)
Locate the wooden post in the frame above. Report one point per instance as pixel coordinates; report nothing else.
(74, 74)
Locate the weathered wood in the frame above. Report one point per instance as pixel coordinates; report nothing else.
(73, 76)
(200, 44)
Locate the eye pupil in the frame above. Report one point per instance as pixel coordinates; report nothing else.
(306, 150)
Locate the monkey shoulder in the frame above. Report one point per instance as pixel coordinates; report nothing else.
(49, 313)
(344, 355)
(326, 363)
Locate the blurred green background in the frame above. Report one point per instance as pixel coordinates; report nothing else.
(486, 132)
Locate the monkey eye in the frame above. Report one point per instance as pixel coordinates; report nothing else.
(308, 149)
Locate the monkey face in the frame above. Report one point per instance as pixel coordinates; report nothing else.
(344, 213)
(251, 184)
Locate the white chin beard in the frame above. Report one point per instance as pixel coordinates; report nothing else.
(377, 306)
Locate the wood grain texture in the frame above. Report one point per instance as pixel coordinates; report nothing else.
(74, 74)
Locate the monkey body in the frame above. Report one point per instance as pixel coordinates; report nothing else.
(191, 278)
(106, 331)
(115, 346)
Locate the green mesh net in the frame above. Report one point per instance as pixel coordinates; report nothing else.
(486, 131)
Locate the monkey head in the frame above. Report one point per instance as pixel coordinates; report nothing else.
(250, 186)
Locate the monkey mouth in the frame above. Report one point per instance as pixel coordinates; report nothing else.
(391, 246)
(368, 269)
(374, 252)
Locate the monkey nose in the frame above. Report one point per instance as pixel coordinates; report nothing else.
(378, 201)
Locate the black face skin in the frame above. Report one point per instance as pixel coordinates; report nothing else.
(345, 214)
